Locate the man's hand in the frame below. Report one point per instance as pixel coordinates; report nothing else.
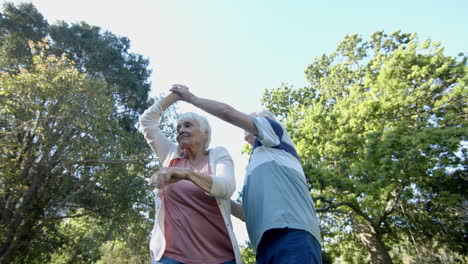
(183, 92)
(166, 176)
(218, 109)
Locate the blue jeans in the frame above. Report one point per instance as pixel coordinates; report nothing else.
(288, 246)
(166, 260)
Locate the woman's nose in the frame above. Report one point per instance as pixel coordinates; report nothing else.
(181, 131)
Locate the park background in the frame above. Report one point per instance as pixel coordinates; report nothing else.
(233, 51)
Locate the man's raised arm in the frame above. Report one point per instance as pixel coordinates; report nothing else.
(218, 109)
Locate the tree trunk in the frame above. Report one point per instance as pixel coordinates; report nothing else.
(372, 241)
(20, 245)
(28, 211)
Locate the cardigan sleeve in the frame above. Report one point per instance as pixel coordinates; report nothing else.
(158, 142)
(223, 179)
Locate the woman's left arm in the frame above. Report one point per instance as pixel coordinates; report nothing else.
(169, 175)
(202, 180)
(223, 180)
(220, 184)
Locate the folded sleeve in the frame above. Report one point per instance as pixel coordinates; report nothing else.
(223, 180)
(158, 142)
(270, 132)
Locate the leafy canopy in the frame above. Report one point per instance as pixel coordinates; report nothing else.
(381, 130)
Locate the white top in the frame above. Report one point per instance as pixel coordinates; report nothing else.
(222, 187)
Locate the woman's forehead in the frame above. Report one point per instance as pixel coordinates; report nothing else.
(187, 120)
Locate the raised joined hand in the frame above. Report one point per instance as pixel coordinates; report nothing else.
(183, 92)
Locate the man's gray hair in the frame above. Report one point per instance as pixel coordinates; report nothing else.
(265, 113)
(202, 123)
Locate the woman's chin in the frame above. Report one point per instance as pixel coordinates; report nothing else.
(184, 144)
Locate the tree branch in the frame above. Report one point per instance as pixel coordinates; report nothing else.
(332, 205)
(103, 161)
(391, 203)
(71, 216)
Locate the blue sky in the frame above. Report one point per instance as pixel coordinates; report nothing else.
(233, 50)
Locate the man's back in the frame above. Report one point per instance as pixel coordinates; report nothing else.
(275, 193)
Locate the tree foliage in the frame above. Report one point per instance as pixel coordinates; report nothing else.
(96, 52)
(70, 155)
(247, 253)
(17, 27)
(63, 153)
(117, 252)
(381, 131)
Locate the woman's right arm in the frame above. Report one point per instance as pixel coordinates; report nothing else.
(150, 129)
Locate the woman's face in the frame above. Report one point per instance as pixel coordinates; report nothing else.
(189, 134)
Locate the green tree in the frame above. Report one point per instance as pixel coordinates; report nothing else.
(79, 239)
(18, 25)
(69, 142)
(95, 52)
(63, 153)
(102, 54)
(381, 131)
(117, 252)
(247, 253)
(88, 240)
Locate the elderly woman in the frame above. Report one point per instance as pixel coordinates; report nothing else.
(195, 184)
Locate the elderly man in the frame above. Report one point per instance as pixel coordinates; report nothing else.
(277, 206)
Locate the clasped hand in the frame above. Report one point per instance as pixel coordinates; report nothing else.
(166, 176)
(183, 92)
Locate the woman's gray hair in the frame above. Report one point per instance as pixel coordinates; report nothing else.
(265, 113)
(202, 123)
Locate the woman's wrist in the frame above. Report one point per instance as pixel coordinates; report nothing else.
(168, 101)
(173, 97)
(188, 175)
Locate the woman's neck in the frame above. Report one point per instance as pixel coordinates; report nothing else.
(198, 159)
(194, 155)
